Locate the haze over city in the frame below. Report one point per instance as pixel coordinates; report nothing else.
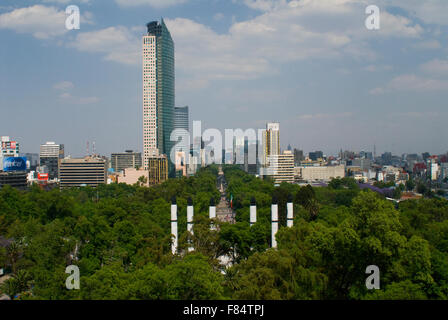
(311, 66)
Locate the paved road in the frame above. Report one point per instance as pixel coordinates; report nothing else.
(223, 211)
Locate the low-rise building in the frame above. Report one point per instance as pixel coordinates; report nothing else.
(132, 176)
(15, 179)
(126, 160)
(320, 173)
(88, 171)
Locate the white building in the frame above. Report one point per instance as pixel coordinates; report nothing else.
(321, 173)
(282, 166)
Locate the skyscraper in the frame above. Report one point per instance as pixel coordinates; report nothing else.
(158, 91)
(182, 121)
(271, 141)
(181, 118)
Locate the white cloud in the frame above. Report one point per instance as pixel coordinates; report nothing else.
(320, 116)
(428, 45)
(118, 44)
(262, 5)
(377, 68)
(436, 67)
(63, 85)
(66, 1)
(411, 83)
(152, 3)
(68, 98)
(40, 21)
(413, 114)
(398, 26)
(429, 11)
(218, 16)
(282, 33)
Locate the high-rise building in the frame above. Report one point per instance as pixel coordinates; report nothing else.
(182, 148)
(8, 148)
(158, 91)
(158, 169)
(33, 160)
(49, 156)
(298, 157)
(125, 160)
(181, 118)
(271, 141)
(88, 171)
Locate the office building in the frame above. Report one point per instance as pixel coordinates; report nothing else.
(8, 148)
(125, 160)
(181, 118)
(314, 156)
(363, 163)
(283, 165)
(158, 91)
(32, 160)
(298, 157)
(319, 173)
(158, 169)
(181, 122)
(238, 150)
(270, 142)
(15, 179)
(88, 171)
(49, 156)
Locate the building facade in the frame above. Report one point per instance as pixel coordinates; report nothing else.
(132, 176)
(319, 173)
(49, 156)
(271, 145)
(88, 171)
(125, 160)
(158, 169)
(181, 118)
(283, 165)
(8, 148)
(158, 91)
(16, 179)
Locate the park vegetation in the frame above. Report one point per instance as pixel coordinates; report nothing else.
(122, 244)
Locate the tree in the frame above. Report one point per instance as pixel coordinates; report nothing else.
(13, 252)
(410, 185)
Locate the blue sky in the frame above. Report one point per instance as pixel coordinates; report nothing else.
(311, 65)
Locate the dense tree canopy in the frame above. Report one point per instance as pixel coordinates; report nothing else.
(122, 242)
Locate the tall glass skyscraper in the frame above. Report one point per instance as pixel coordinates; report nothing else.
(158, 91)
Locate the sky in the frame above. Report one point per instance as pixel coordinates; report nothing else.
(311, 65)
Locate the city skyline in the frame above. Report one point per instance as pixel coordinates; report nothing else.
(348, 88)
